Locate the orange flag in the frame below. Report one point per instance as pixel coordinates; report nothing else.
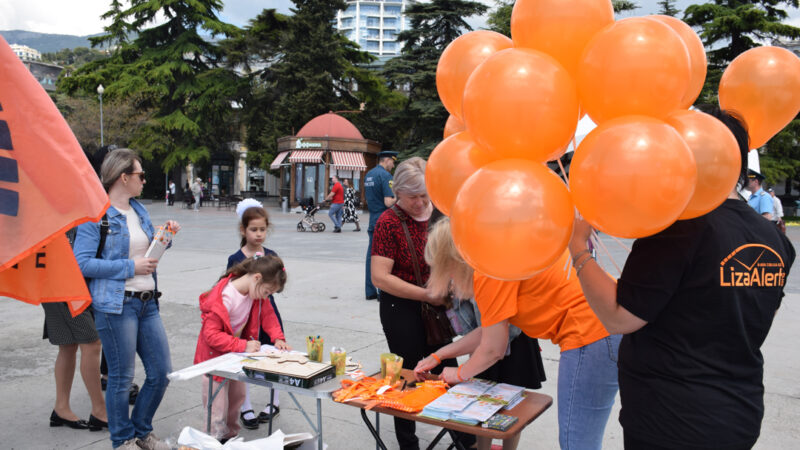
(50, 274)
(47, 185)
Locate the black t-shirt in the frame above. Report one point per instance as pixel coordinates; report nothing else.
(709, 289)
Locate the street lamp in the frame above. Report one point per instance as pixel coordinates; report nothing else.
(100, 90)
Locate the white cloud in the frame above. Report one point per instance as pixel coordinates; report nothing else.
(53, 16)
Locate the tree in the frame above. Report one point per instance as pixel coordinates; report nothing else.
(300, 67)
(433, 26)
(122, 120)
(171, 69)
(500, 18)
(729, 28)
(667, 8)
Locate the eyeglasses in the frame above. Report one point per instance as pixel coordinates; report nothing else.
(141, 175)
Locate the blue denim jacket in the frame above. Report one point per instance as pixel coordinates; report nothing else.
(108, 274)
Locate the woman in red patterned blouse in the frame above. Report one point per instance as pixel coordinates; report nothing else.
(401, 294)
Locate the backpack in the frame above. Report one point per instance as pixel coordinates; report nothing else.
(73, 232)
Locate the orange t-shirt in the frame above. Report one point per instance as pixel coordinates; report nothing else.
(550, 305)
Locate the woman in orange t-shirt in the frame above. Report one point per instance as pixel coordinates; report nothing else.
(549, 305)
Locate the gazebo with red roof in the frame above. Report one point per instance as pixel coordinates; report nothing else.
(327, 145)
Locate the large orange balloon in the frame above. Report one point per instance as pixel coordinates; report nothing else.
(632, 176)
(697, 57)
(453, 126)
(521, 104)
(636, 66)
(512, 218)
(763, 86)
(450, 164)
(458, 61)
(559, 28)
(716, 154)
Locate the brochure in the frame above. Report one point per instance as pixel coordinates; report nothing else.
(161, 241)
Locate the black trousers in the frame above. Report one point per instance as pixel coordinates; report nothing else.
(402, 324)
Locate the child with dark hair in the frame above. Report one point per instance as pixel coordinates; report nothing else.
(253, 228)
(232, 313)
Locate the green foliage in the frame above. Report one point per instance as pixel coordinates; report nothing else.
(500, 18)
(72, 58)
(433, 26)
(729, 28)
(667, 8)
(300, 67)
(781, 160)
(623, 5)
(171, 70)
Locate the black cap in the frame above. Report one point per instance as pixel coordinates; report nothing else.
(388, 154)
(753, 174)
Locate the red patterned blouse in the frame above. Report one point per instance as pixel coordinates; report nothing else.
(390, 241)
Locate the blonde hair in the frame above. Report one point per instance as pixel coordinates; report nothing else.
(409, 177)
(116, 163)
(447, 265)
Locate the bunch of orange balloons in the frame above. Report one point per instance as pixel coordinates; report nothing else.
(515, 103)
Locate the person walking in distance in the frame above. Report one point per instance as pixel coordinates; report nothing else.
(336, 197)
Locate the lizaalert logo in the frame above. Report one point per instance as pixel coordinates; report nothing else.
(752, 265)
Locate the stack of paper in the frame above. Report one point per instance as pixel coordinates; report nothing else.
(473, 402)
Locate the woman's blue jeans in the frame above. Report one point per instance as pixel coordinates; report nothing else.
(587, 385)
(137, 330)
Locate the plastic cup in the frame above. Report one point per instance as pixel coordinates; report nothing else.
(314, 349)
(339, 359)
(394, 368)
(386, 357)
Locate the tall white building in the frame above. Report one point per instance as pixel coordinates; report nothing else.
(26, 53)
(374, 24)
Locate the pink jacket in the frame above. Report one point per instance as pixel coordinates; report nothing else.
(216, 335)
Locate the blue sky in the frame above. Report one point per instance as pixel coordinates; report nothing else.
(63, 17)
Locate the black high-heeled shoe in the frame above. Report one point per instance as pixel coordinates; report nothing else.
(57, 421)
(96, 424)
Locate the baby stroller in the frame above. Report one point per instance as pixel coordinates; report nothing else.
(308, 220)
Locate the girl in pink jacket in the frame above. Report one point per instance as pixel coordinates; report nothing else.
(232, 313)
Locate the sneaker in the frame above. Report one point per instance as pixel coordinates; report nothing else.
(337, 230)
(151, 442)
(130, 444)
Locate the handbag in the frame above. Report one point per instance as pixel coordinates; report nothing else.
(438, 330)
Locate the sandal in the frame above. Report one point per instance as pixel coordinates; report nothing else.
(264, 417)
(250, 424)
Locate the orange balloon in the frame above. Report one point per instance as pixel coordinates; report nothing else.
(636, 66)
(460, 59)
(512, 218)
(521, 104)
(453, 126)
(763, 86)
(697, 57)
(560, 29)
(716, 154)
(632, 176)
(450, 164)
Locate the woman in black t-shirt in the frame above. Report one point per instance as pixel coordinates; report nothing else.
(695, 302)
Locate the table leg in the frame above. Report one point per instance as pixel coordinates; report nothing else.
(377, 427)
(271, 409)
(378, 441)
(211, 396)
(437, 438)
(456, 442)
(319, 422)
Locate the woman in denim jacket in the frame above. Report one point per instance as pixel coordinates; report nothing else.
(124, 299)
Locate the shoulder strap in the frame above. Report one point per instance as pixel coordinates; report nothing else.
(403, 218)
(103, 234)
